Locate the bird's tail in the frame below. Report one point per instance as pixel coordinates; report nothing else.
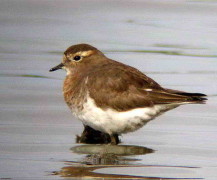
(192, 97)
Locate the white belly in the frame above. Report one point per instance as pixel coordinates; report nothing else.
(114, 122)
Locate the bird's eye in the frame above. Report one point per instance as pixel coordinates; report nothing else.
(77, 58)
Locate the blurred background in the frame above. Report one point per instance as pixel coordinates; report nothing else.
(173, 42)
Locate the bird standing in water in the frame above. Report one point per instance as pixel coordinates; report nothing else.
(111, 98)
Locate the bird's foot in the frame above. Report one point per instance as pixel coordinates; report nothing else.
(92, 136)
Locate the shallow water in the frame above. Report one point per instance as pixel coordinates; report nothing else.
(174, 42)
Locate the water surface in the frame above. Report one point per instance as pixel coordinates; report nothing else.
(174, 42)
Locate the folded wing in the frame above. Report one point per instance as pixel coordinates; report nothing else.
(123, 88)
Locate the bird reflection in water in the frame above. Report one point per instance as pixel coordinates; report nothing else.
(104, 156)
(110, 154)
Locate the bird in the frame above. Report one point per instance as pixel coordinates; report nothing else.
(113, 98)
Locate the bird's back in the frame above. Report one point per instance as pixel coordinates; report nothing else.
(123, 87)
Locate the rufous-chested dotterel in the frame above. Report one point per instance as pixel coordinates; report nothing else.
(111, 97)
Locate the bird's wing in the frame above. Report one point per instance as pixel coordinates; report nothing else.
(123, 88)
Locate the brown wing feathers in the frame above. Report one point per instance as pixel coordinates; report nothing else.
(167, 97)
(123, 87)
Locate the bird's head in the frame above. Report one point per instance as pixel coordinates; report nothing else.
(79, 56)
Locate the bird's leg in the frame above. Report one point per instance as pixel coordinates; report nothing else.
(114, 139)
(92, 136)
(83, 137)
(117, 138)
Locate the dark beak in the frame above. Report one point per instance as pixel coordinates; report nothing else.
(57, 67)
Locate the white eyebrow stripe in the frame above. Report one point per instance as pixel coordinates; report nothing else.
(84, 53)
(148, 89)
(80, 53)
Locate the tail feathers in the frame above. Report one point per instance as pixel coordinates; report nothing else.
(192, 97)
(191, 94)
(199, 99)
